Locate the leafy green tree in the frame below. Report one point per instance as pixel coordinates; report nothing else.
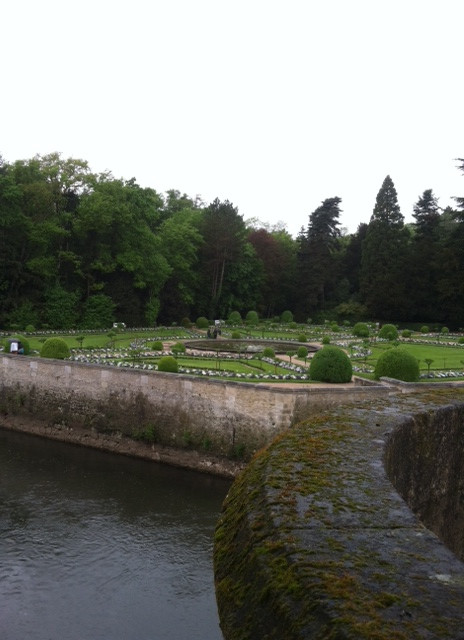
(117, 227)
(61, 308)
(98, 312)
(224, 236)
(180, 242)
(276, 252)
(384, 288)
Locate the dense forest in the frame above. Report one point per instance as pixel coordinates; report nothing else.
(81, 250)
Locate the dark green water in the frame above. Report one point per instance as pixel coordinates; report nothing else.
(95, 546)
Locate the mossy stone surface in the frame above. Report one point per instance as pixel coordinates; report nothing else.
(315, 542)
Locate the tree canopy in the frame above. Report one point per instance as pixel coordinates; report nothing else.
(81, 249)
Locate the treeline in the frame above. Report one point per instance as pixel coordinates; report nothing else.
(81, 250)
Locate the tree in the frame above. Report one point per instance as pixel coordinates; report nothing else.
(276, 252)
(317, 256)
(450, 285)
(424, 260)
(460, 199)
(117, 228)
(352, 258)
(384, 258)
(224, 235)
(180, 242)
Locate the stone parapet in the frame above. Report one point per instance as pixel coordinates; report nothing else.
(316, 542)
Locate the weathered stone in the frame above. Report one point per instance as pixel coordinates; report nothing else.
(316, 542)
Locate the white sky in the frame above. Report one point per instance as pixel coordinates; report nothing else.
(273, 105)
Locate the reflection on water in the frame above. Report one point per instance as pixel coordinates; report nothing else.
(95, 546)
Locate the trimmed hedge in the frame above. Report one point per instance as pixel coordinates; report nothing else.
(330, 364)
(361, 330)
(202, 322)
(178, 347)
(397, 363)
(169, 364)
(24, 343)
(234, 318)
(302, 352)
(389, 332)
(55, 348)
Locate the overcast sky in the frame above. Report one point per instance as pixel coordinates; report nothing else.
(272, 105)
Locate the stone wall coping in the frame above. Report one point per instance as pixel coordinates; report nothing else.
(315, 542)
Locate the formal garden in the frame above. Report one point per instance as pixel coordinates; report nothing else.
(260, 351)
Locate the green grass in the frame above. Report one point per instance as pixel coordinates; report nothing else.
(120, 340)
(219, 364)
(443, 357)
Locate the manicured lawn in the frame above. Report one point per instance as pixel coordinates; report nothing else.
(442, 357)
(121, 340)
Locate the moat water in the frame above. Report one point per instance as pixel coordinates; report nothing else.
(95, 546)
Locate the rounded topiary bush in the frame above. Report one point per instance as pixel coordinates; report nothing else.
(30, 328)
(287, 316)
(234, 318)
(325, 339)
(157, 345)
(252, 318)
(302, 352)
(302, 337)
(406, 333)
(425, 329)
(202, 322)
(55, 348)
(178, 347)
(268, 352)
(330, 364)
(21, 339)
(186, 323)
(361, 330)
(169, 364)
(236, 335)
(388, 332)
(397, 363)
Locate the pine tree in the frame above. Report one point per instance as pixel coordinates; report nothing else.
(317, 255)
(424, 258)
(459, 199)
(384, 258)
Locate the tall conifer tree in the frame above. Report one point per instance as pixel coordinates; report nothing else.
(383, 279)
(317, 261)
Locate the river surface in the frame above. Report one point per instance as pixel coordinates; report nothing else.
(95, 546)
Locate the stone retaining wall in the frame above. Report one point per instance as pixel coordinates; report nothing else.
(316, 542)
(218, 418)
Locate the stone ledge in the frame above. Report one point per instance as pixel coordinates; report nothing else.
(315, 542)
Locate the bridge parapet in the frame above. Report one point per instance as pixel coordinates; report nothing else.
(316, 542)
